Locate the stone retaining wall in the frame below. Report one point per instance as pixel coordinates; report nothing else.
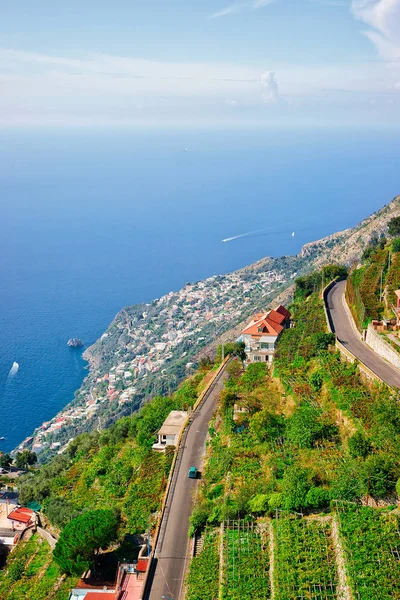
(375, 341)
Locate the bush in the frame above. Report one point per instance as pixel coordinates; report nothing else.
(317, 497)
(295, 486)
(359, 445)
(394, 226)
(346, 484)
(16, 570)
(396, 245)
(198, 518)
(275, 501)
(316, 381)
(259, 503)
(379, 475)
(322, 341)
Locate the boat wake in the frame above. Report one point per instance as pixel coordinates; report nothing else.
(258, 232)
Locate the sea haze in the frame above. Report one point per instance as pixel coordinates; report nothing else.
(93, 221)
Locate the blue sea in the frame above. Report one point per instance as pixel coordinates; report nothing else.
(95, 220)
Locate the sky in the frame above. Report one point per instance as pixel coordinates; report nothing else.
(203, 63)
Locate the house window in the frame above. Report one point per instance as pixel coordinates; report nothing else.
(267, 346)
(257, 358)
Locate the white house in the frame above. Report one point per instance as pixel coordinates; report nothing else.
(261, 334)
(171, 429)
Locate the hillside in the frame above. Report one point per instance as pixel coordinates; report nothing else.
(301, 480)
(166, 336)
(299, 488)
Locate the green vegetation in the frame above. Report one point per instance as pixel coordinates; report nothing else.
(31, 573)
(394, 226)
(299, 440)
(76, 549)
(115, 469)
(105, 487)
(371, 540)
(246, 562)
(305, 558)
(203, 575)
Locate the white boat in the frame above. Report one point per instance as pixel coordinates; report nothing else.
(14, 369)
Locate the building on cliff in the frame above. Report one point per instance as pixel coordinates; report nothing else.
(261, 334)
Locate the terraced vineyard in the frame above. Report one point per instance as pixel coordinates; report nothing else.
(305, 564)
(246, 562)
(31, 574)
(203, 577)
(371, 541)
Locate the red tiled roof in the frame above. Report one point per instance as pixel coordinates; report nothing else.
(284, 311)
(270, 323)
(24, 515)
(276, 317)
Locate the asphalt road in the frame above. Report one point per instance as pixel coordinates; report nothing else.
(351, 339)
(173, 543)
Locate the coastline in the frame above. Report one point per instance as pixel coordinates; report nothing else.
(149, 348)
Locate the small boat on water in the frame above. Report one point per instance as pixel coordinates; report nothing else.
(14, 369)
(2, 438)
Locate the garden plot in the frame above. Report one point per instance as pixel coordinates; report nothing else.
(304, 559)
(246, 561)
(371, 542)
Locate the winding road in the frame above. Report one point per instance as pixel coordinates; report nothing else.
(350, 338)
(172, 549)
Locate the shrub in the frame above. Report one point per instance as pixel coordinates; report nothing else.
(275, 501)
(322, 341)
(379, 474)
(396, 244)
(259, 503)
(394, 226)
(346, 484)
(16, 570)
(316, 381)
(317, 497)
(198, 518)
(359, 445)
(295, 486)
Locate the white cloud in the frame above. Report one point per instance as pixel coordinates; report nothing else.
(270, 88)
(384, 18)
(241, 6)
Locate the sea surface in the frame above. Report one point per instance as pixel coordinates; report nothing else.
(91, 221)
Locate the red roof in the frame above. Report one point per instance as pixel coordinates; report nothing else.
(142, 564)
(21, 514)
(284, 311)
(269, 323)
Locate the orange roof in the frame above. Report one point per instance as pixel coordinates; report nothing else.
(21, 514)
(276, 317)
(269, 323)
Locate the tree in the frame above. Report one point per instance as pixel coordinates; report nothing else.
(394, 227)
(396, 244)
(82, 537)
(24, 459)
(59, 511)
(5, 460)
